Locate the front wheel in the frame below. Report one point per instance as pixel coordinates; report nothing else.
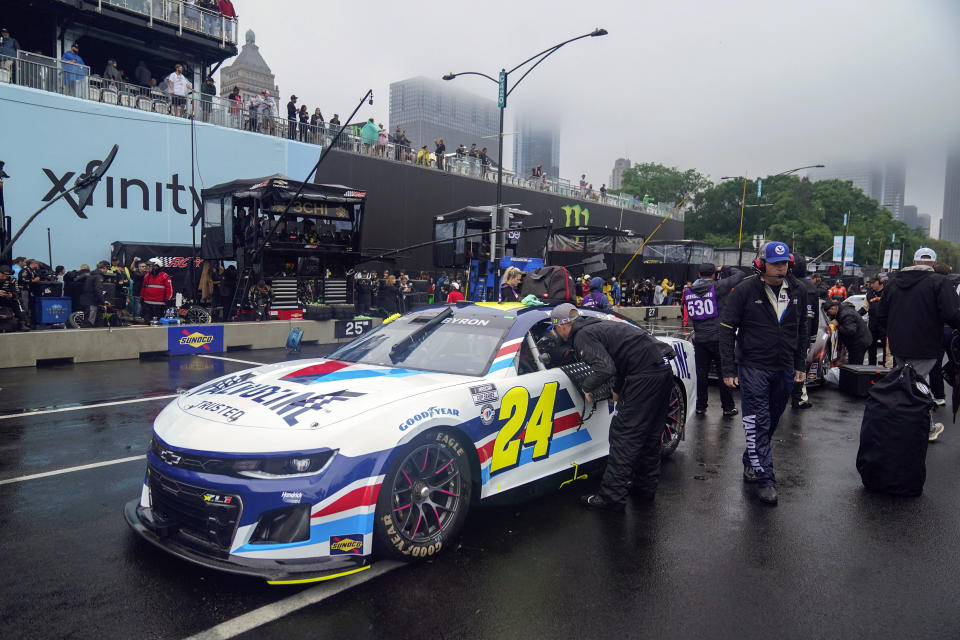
(676, 420)
(424, 498)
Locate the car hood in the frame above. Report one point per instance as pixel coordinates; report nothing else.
(307, 394)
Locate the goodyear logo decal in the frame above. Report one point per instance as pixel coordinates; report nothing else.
(342, 545)
(196, 340)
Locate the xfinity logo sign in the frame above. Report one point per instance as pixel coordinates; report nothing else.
(127, 192)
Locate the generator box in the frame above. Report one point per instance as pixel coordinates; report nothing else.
(857, 379)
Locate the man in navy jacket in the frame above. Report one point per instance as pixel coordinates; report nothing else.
(763, 348)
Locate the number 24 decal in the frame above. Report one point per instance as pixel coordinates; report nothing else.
(538, 431)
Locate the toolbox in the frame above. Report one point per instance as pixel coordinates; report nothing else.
(857, 379)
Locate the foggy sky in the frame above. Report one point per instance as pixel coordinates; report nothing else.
(728, 88)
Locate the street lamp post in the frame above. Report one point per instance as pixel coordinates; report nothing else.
(504, 91)
(744, 198)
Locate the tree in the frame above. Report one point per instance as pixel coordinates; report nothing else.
(663, 184)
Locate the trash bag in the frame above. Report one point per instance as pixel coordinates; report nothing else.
(894, 434)
(832, 376)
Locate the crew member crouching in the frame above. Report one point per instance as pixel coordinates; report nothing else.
(637, 368)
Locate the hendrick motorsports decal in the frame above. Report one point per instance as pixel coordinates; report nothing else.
(292, 497)
(484, 394)
(185, 340)
(487, 414)
(428, 413)
(342, 545)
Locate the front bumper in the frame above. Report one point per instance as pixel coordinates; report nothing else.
(141, 520)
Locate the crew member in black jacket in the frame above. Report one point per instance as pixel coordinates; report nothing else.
(703, 300)
(637, 367)
(916, 303)
(799, 398)
(766, 319)
(853, 331)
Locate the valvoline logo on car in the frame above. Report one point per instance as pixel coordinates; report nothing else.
(352, 544)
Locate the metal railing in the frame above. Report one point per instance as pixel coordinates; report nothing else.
(183, 15)
(49, 74)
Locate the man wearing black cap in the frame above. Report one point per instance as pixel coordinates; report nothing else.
(702, 301)
(637, 367)
(765, 318)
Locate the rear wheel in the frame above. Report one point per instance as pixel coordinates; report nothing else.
(424, 498)
(676, 420)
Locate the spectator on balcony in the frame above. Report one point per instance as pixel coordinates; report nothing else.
(423, 156)
(473, 153)
(178, 86)
(268, 111)
(236, 104)
(440, 150)
(397, 144)
(292, 118)
(141, 75)
(8, 48)
(316, 124)
(225, 7)
(537, 172)
(253, 111)
(191, 15)
(111, 75)
(461, 151)
(603, 191)
(368, 136)
(583, 185)
(207, 92)
(382, 139)
(74, 61)
(334, 127)
(304, 117)
(484, 162)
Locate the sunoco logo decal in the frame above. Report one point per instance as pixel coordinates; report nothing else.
(343, 545)
(196, 340)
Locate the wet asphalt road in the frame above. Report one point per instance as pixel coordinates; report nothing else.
(704, 560)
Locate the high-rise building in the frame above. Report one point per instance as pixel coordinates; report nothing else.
(950, 221)
(866, 176)
(910, 217)
(428, 109)
(249, 72)
(894, 186)
(885, 183)
(616, 176)
(537, 141)
(923, 221)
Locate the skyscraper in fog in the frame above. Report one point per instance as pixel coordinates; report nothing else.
(910, 216)
(885, 183)
(923, 221)
(428, 109)
(894, 187)
(537, 141)
(950, 222)
(616, 176)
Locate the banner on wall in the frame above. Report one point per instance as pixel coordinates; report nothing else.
(195, 339)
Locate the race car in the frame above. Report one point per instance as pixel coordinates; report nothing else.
(306, 470)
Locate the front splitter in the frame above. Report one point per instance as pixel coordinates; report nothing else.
(272, 571)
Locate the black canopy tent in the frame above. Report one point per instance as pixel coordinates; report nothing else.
(572, 245)
(257, 222)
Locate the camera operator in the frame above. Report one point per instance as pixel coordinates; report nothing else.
(636, 366)
(766, 318)
(10, 305)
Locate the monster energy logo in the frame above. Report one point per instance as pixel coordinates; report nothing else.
(575, 211)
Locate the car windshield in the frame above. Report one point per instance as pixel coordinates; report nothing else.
(462, 344)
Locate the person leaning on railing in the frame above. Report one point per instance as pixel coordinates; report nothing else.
(8, 48)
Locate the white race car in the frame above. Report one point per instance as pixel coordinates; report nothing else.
(303, 470)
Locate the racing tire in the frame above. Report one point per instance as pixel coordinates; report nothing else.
(77, 319)
(198, 315)
(676, 420)
(424, 498)
(344, 311)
